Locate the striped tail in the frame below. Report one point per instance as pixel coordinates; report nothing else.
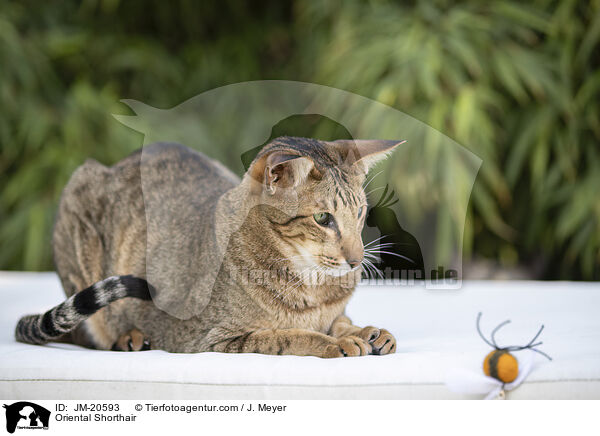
(40, 329)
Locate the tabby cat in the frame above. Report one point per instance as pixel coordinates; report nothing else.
(149, 252)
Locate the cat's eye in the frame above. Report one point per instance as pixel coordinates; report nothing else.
(322, 218)
(360, 211)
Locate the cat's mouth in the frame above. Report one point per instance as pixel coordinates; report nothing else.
(340, 271)
(337, 269)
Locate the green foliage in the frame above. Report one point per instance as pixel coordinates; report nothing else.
(64, 66)
(516, 83)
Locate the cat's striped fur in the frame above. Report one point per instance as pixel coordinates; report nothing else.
(176, 219)
(62, 319)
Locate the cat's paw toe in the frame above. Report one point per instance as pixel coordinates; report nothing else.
(369, 334)
(133, 340)
(348, 346)
(384, 343)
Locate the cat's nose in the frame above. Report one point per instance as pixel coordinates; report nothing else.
(353, 252)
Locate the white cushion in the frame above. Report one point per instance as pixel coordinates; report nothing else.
(435, 330)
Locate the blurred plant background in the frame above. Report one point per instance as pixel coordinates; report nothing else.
(517, 83)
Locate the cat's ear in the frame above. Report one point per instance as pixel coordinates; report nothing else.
(366, 152)
(282, 169)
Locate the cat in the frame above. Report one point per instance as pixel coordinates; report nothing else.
(149, 252)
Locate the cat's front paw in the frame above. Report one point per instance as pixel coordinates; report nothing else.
(348, 346)
(132, 340)
(381, 341)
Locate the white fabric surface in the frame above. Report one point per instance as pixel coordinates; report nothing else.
(435, 331)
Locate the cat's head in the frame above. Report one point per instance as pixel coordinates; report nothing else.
(311, 194)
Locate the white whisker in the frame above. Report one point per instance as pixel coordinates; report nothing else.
(372, 178)
(377, 270)
(394, 254)
(387, 244)
(373, 190)
(375, 240)
(367, 268)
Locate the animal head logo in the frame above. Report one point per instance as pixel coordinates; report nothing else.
(27, 415)
(396, 251)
